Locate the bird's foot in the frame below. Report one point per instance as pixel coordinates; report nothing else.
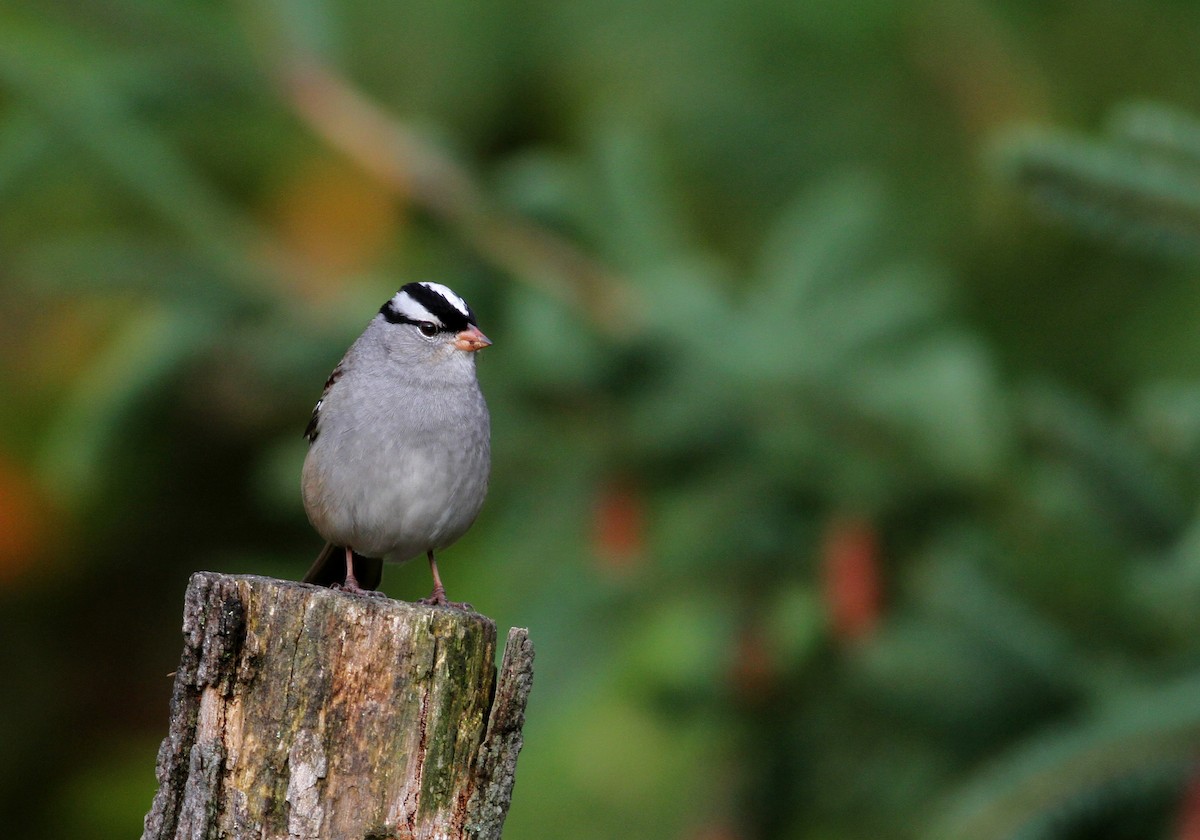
(438, 599)
(354, 589)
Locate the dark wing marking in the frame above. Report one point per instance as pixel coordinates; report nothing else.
(312, 430)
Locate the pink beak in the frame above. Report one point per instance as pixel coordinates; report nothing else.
(471, 339)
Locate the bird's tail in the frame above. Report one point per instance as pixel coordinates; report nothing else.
(330, 568)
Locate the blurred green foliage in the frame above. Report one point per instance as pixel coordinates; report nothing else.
(843, 496)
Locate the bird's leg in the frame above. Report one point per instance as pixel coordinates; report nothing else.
(351, 584)
(437, 598)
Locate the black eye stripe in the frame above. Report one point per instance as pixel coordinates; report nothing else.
(451, 318)
(390, 315)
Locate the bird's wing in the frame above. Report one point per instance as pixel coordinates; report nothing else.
(313, 429)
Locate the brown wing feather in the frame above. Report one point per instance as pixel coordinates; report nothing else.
(312, 430)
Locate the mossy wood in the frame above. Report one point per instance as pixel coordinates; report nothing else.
(302, 712)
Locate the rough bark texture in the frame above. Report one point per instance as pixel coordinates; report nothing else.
(303, 712)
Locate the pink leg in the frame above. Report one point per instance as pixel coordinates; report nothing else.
(351, 584)
(438, 597)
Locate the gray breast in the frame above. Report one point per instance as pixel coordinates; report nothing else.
(397, 471)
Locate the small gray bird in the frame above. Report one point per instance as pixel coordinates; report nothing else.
(399, 443)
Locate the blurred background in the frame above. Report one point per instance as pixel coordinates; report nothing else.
(844, 389)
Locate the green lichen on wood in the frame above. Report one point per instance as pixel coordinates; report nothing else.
(464, 652)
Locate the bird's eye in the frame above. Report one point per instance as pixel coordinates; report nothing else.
(428, 328)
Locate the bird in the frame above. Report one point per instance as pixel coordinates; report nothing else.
(399, 450)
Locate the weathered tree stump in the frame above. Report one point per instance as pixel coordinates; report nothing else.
(302, 712)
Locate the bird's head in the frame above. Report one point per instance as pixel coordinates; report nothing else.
(430, 321)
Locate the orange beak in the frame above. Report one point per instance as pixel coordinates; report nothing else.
(471, 339)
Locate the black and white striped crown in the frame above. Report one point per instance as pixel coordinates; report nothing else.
(429, 303)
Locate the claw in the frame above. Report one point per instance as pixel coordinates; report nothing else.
(357, 590)
(437, 598)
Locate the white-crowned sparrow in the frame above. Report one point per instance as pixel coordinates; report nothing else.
(399, 443)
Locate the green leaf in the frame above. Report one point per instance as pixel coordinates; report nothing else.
(1073, 769)
(147, 353)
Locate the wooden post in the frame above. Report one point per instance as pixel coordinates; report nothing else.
(302, 712)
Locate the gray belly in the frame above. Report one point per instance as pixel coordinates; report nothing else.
(396, 498)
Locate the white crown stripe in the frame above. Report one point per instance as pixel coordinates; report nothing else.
(412, 310)
(451, 298)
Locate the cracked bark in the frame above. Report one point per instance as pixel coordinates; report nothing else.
(302, 712)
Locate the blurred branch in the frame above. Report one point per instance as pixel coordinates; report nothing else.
(1057, 780)
(145, 355)
(1139, 185)
(417, 170)
(1157, 128)
(63, 90)
(22, 144)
